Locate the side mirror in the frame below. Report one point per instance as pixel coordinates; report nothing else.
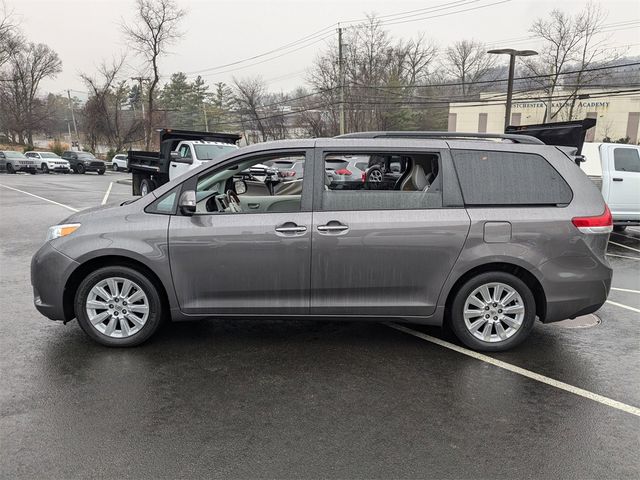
(240, 186)
(187, 202)
(175, 157)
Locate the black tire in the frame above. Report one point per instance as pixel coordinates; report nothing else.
(10, 168)
(456, 316)
(619, 228)
(33, 172)
(101, 172)
(45, 168)
(80, 169)
(147, 184)
(155, 306)
(114, 167)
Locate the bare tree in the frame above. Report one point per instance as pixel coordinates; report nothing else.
(103, 110)
(249, 97)
(155, 29)
(467, 61)
(571, 43)
(28, 66)
(10, 38)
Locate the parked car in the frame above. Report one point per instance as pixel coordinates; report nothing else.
(487, 238)
(13, 162)
(49, 162)
(348, 170)
(82, 162)
(119, 162)
(615, 169)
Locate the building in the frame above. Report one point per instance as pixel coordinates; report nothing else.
(618, 116)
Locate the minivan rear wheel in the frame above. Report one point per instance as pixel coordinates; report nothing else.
(493, 311)
(118, 306)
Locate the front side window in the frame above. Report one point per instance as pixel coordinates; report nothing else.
(382, 181)
(254, 185)
(626, 159)
(508, 178)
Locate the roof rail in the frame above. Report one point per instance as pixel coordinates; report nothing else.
(514, 138)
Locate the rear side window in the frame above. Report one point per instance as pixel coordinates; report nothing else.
(626, 160)
(508, 178)
(382, 181)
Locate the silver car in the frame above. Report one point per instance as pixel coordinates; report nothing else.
(13, 162)
(484, 234)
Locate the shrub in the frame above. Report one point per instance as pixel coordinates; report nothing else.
(58, 147)
(28, 148)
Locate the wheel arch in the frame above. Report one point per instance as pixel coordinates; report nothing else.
(80, 273)
(523, 274)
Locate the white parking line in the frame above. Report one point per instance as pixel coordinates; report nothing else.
(625, 290)
(42, 198)
(622, 256)
(624, 246)
(633, 309)
(521, 371)
(106, 195)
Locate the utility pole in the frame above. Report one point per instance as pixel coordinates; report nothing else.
(144, 126)
(341, 75)
(206, 120)
(73, 117)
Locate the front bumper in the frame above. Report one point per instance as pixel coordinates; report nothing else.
(50, 271)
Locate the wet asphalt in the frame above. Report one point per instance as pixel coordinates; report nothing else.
(287, 399)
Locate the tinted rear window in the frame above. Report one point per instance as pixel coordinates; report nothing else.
(508, 178)
(626, 159)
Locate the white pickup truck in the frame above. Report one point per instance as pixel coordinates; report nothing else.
(615, 169)
(180, 151)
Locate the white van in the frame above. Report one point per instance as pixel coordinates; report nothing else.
(615, 169)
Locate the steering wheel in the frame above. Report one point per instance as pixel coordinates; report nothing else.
(234, 201)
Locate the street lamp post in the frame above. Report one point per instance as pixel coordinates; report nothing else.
(512, 66)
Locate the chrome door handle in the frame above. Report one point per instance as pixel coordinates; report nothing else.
(332, 228)
(295, 229)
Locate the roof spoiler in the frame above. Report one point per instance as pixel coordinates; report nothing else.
(561, 134)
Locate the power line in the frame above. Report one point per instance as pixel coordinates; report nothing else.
(254, 57)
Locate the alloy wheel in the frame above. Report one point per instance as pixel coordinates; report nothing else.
(493, 312)
(117, 307)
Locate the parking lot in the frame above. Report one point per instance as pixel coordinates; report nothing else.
(304, 399)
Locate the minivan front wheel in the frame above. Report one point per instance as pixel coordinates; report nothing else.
(493, 311)
(118, 306)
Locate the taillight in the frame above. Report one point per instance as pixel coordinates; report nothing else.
(287, 174)
(600, 224)
(343, 171)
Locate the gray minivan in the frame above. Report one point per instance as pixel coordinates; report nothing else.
(485, 233)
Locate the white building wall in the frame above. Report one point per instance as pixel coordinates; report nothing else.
(611, 113)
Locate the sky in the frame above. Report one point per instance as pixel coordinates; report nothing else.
(218, 32)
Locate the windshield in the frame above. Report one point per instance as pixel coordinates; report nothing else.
(11, 154)
(48, 155)
(86, 156)
(209, 152)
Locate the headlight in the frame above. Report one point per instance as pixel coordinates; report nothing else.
(58, 231)
(87, 162)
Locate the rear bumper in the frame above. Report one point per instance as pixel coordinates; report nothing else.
(50, 271)
(574, 286)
